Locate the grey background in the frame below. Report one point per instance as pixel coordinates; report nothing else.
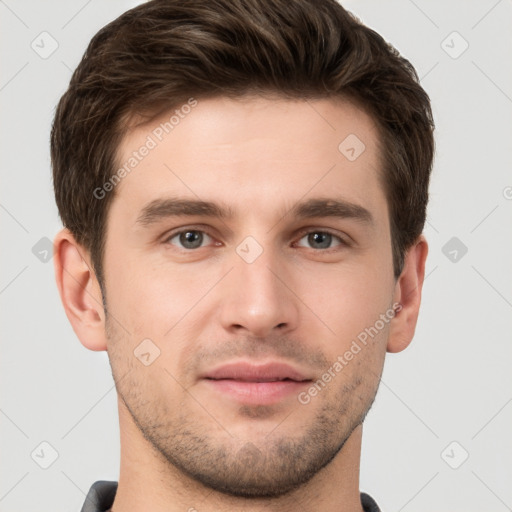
(453, 384)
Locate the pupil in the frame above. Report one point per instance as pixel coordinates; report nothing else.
(190, 237)
(322, 239)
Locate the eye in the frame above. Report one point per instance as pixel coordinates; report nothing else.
(189, 238)
(322, 239)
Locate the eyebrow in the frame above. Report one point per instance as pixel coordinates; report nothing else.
(160, 209)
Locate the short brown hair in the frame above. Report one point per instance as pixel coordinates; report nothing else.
(157, 55)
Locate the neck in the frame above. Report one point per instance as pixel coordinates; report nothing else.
(149, 482)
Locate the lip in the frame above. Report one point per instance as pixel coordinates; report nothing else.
(249, 372)
(251, 383)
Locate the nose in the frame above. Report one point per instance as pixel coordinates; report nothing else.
(259, 298)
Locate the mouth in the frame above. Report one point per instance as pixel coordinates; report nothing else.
(256, 384)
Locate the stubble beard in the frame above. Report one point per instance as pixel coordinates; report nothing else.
(191, 441)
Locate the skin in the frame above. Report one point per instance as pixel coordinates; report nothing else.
(185, 445)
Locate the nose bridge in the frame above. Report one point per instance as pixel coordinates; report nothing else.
(257, 267)
(259, 300)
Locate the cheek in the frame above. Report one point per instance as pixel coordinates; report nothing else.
(347, 298)
(151, 299)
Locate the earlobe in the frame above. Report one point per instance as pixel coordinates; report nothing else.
(79, 291)
(408, 294)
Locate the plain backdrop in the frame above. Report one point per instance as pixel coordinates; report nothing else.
(438, 435)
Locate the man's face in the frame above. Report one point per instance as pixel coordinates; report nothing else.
(250, 311)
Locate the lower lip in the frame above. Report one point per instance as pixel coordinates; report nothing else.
(257, 392)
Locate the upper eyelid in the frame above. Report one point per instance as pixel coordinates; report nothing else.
(330, 231)
(172, 233)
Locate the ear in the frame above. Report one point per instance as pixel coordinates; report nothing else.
(408, 294)
(79, 291)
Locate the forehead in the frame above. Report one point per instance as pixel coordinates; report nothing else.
(252, 153)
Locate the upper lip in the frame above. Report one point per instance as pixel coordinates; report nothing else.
(250, 372)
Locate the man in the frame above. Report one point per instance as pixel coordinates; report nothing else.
(243, 186)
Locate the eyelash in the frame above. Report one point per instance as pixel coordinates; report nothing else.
(302, 234)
